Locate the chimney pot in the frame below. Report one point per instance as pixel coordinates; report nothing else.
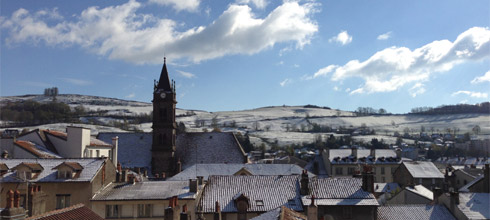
(16, 199)
(10, 199)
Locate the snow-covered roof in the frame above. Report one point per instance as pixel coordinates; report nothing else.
(477, 161)
(90, 168)
(338, 191)
(345, 156)
(421, 191)
(206, 170)
(151, 190)
(134, 149)
(414, 212)
(272, 191)
(385, 187)
(422, 169)
(36, 149)
(475, 205)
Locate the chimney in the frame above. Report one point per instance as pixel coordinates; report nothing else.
(78, 139)
(367, 179)
(179, 166)
(13, 210)
(304, 183)
(183, 214)
(373, 153)
(118, 173)
(437, 193)
(192, 186)
(10, 199)
(138, 170)
(486, 179)
(5, 154)
(115, 147)
(16, 199)
(217, 211)
(312, 209)
(454, 200)
(200, 180)
(124, 176)
(354, 152)
(399, 152)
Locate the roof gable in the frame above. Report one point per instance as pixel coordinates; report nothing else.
(422, 169)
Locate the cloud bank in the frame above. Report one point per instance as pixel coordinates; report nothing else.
(481, 79)
(120, 32)
(392, 68)
(471, 94)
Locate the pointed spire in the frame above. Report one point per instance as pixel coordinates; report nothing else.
(164, 82)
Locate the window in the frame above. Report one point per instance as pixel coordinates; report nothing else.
(112, 211)
(338, 171)
(465, 182)
(62, 201)
(25, 175)
(62, 174)
(144, 210)
(382, 170)
(347, 212)
(97, 152)
(89, 153)
(351, 170)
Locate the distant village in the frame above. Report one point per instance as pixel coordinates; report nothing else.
(171, 173)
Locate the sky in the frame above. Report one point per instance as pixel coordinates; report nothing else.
(245, 54)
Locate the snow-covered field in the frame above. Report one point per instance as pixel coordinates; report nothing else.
(270, 123)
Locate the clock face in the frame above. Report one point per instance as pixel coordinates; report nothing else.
(163, 95)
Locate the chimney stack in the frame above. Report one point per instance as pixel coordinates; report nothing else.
(124, 176)
(367, 179)
(13, 211)
(354, 152)
(304, 183)
(217, 211)
(192, 186)
(373, 153)
(437, 193)
(200, 180)
(183, 214)
(312, 210)
(115, 147)
(10, 199)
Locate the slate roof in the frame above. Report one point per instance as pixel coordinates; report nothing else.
(281, 213)
(134, 149)
(344, 156)
(414, 212)
(422, 169)
(152, 190)
(338, 191)
(36, 149)
(90, 167)
(76, 212)
(475, 205)
(274, 191)
(421, 191)
(206, 170)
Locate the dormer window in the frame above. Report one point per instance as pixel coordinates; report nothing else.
(64, 174)
(68, 170)
(28, 171)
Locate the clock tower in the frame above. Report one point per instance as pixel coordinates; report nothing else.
(164, 126)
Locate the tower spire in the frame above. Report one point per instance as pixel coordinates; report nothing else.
(164, 82)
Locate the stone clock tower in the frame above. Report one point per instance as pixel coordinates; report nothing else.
(164, 126)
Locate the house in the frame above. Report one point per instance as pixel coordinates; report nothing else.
(418, 172)
(347, 162)
(460, 178)
(75, 212)
(480, 184)
(414, 212)
(147, 200)
(135, 149)
(457, 162)
(416, 194)
(245, 197)
(206, 170)
(465, 206)
(55, 183)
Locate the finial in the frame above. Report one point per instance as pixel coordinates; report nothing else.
(164, 60)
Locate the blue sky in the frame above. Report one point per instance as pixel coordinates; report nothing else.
(243, 54)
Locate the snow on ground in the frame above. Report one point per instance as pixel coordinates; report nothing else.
(94, 129)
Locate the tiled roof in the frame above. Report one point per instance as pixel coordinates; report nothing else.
(99, 143)
(475, 205)
(421, 191)
(32, 165)
(385, 187)
(90, 168)
(58, 134)
(145, 191)
(281, 213)
(76, 212)
(206, 170)
(414, 212)
(274, 191)
(35, 149)
(73, 165)
(208, 147)
(338, 191)
(344, 156)
(423, 169)
(134, 149)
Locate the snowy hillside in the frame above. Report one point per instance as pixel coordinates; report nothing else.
(286, 124)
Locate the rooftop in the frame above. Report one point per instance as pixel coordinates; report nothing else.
(421, 191)
(414, 212)
(422, 169)
(36, 149)
(338, 191)
(152, 190)
(281, 213)
(76, 212)
(475, 205)
(345, 156)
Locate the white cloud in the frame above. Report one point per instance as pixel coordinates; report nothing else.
(121, 32)
(78, 82)
(285, 82)
(130, 96)
(417, 89)
(347, 90)
(186, 74)
(343, 38)
(261, 4)
(471, 94)
(335, 88)
(480, 79)
(394, 67)
(385, 36)
(179, 5)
